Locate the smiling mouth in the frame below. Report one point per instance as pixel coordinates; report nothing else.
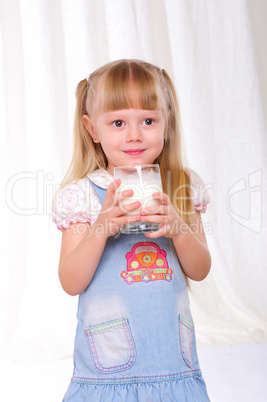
(134, 151)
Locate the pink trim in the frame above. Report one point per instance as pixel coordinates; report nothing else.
(135, 378)
(65, 224)
(201, 207)
(183, 326)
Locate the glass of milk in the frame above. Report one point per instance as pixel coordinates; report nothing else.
(144, 180)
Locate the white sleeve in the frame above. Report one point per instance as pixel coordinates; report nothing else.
(75, 202)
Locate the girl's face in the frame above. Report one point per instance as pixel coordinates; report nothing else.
(128, 136)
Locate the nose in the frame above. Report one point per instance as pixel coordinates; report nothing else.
(134, 133)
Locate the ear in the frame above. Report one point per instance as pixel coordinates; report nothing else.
(89, 127)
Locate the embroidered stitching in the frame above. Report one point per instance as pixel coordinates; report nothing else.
(146, 262)
(101, 328)
(109, 325)
(186, 331)
(143, 379)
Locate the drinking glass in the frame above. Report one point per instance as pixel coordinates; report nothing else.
(144, 180)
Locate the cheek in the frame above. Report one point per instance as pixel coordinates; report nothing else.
(110, 144)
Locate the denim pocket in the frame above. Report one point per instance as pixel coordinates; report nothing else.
(186, 329)
(111, 345)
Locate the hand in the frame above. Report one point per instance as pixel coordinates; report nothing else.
(191, 246)
(112, 216)
(165, 214)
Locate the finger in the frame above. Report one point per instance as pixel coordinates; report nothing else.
(123, 220)
(155, 209)
(122, 195)
(162, 219)
(112, 188)
(129, 219)
(162, 231)
(125, 208)
(162, 197)
(115, 196)
(114, 225)
(117, 211)
(154, 235)
(111, 195)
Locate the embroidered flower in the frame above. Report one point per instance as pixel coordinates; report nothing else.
(168, 277)
(147, 259)
(129, 279)
(146, 278)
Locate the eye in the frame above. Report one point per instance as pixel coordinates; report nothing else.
(148, 122)
(118, 123)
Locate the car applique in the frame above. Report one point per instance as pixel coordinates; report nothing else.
(146, 262)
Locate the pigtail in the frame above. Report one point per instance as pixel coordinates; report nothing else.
(82, 141)
(87, 155)
(176, 181)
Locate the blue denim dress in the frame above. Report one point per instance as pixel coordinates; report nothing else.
(135, 337)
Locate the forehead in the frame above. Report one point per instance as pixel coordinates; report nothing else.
(127, 88)
(138, 114)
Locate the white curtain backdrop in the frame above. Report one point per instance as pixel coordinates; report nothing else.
(215, 51)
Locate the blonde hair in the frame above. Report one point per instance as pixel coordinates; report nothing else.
(111, 88)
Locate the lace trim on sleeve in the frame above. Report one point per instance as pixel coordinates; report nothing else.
(199, 191)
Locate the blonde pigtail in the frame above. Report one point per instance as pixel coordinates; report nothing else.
(176, 181)
(87, 155)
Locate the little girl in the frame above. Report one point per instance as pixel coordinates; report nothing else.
(135, 337)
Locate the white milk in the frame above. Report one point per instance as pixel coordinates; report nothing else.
(144, 181)
(143, 191)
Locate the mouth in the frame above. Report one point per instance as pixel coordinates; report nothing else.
(134, 152)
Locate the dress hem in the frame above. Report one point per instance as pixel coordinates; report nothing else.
(136, 380)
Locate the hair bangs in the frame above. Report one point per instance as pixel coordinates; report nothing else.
(129, 85)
